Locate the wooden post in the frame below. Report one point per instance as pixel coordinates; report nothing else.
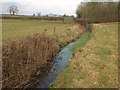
(54, 30)
(45, 30)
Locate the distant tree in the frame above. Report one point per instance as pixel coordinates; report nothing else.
(64, 15)
(33, 14)
(39, 14)
(98, 11)
(13, 10)
(72, 15)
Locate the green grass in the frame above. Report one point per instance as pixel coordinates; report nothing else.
(81, 42)
(96, 65)
(68, 19)
(14, 29)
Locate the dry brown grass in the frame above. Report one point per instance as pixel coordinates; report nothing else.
(22, 58)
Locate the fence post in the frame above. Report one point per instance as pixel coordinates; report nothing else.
(54, 30)
(44, 30)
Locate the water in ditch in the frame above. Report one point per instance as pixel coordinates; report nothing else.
(59, 65)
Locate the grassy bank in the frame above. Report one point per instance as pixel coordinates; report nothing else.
(80, 43)
(96, 65)
(26, 51)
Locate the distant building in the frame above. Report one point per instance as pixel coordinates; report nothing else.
(52, 15)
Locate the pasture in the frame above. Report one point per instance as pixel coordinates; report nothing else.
(14, 29)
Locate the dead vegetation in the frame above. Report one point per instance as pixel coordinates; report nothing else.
(22, 58)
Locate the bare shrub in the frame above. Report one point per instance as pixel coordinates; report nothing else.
(22, 58)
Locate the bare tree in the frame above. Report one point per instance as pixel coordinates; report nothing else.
(13, 10)
(98, 11)
(33, 14)
(39, 14)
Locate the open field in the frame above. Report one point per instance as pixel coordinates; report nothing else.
(13, 29)
(96, 65)
(17, 29)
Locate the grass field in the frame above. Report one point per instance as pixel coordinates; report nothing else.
(18, 29)
(96, 65)
(13, 29)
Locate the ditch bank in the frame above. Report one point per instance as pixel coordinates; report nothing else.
(96, 64)
(22, 59)
(60, 62)
(51, 70)
(27, 60)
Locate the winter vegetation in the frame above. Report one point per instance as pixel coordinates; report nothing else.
(98, 11)
(31, 43)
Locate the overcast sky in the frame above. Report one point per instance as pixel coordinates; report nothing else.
(28, 7)
(44, 6)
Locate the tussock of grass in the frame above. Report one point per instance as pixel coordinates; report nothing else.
(96, 66)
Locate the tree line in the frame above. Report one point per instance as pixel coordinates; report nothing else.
(98, 11)
(13, 10)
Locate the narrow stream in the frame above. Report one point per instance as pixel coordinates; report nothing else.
(59, 65)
